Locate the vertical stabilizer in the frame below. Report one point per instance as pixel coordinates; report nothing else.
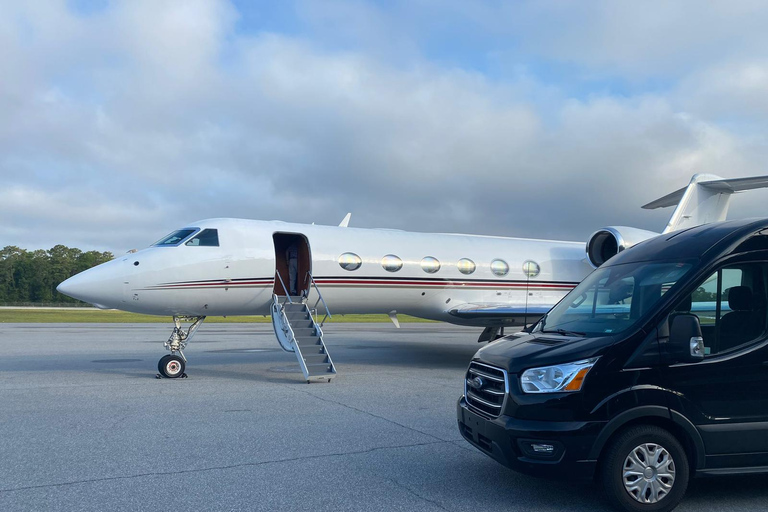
(705, 199)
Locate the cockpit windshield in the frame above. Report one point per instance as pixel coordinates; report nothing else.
(612, 299)
(175, 238)
(205, 238)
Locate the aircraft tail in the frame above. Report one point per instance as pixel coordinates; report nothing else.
(705, 199)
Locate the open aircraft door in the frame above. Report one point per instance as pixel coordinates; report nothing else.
(293, 264)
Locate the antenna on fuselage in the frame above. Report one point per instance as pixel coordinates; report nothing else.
(345, 222)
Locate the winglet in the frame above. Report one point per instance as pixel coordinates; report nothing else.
(345, 222)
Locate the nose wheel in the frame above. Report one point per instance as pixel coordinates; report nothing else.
(171, 366)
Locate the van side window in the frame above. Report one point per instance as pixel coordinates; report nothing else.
(731, 306)
(205, 238)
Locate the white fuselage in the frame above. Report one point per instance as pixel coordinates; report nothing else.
(237, 277)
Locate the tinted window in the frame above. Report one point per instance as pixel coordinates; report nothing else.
(176, 237)
(612, 299)
(731, 305)
(206, 238)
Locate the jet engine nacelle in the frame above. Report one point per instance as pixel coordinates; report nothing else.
(608, 242)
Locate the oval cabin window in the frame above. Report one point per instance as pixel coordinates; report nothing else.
(531, 268)
(391, 263)
(430, 265)
(466, 266)
(350, 261)
(499, 268)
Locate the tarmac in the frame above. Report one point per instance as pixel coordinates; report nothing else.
(85, 425)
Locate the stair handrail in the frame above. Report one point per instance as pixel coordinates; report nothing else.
(285, 325)
(277, 273)
(320, 299)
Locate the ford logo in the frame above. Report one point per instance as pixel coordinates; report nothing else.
(476, 383)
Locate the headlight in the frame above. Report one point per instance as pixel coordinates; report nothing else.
(558, 378)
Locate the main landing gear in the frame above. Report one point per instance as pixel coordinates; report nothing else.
(172, 365)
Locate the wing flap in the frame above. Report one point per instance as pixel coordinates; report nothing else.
(489, 311)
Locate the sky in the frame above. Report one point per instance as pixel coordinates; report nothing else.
(122, 121)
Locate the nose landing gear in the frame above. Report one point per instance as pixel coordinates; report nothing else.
(172, 365)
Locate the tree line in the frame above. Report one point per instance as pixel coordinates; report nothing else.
(32, 276)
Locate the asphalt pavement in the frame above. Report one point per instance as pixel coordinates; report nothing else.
(85, 425)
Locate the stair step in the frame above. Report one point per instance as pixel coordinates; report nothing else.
(315, 358)
(314, 369)
(303, 332)
(308, 350)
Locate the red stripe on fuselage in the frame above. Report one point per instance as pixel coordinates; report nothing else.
(383, 282)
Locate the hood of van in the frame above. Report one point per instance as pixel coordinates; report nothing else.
(518, 353)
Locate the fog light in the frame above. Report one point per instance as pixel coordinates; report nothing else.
(541, 449)
(544, 449)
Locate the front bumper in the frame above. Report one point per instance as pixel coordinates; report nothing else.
(509, 441)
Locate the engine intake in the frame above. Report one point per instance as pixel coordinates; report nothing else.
(608, 242)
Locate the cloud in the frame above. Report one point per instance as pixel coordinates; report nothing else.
(122, 124)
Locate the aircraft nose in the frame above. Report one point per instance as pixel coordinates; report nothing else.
(102, 285)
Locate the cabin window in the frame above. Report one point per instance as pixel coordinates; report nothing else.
(176, 237)
(205, 238)
(531, 268)
(466, 266)
(499, 268)
(391, 263)
(430, 265)
(350, 261)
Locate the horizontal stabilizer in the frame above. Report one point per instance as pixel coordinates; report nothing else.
(721, 185)
(704, 200)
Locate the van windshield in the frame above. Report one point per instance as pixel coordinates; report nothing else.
(612, 299)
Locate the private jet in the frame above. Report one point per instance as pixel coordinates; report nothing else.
(297, 272)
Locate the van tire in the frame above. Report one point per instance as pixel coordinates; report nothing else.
(654, 449)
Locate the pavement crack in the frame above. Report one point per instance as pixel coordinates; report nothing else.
(414, 493)
(216, 468)
(368, 413)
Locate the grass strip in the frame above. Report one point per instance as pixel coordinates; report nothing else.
(51, 316)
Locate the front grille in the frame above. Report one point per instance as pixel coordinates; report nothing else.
(485, 388)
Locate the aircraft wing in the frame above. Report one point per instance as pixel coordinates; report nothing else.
(489, 311)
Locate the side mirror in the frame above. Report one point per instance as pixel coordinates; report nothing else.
(685, 338)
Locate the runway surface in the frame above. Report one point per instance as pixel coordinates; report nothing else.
(84, 425)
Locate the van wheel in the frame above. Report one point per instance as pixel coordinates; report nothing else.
(645, 469)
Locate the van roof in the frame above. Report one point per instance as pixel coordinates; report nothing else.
(706, 242)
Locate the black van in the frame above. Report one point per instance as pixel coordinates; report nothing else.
(654, 369)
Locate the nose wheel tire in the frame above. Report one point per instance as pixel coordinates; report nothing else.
(171, 366)
(645, 469)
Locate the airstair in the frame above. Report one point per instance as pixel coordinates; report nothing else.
(297, 330)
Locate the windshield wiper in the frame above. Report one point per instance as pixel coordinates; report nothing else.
(563, 332)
